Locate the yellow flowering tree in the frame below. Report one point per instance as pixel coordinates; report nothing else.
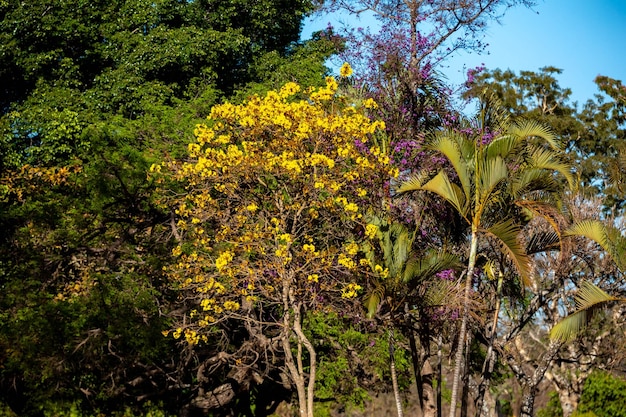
(271, 219)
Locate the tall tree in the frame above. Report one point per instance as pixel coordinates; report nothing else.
(269, 223)
(400, 283)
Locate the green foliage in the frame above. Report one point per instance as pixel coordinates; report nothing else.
(604, 394)
(353, 359)
(75, 409)
(552, 408)
(92, 93)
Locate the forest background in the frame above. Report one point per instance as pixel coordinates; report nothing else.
(198, 219)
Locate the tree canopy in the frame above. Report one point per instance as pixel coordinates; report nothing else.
(198, 218)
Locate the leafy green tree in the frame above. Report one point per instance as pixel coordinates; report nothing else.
(92, 94)
(603, 396)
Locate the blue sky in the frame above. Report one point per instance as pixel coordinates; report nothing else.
(584, 38)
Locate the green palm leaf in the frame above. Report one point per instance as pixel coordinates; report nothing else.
(396, 249)
(440, 184)
(451, 149)
(531, 180)
(373, 299)
(548, 161)
(503, 146)
(507, 233)
(531, 128)
(494, 171)
(418, 269)
(589, 299)
(598, 232)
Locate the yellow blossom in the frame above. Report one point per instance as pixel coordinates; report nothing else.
(370, 104)
(352, 248)
(345, 70)
(345, 261)
(231, 305)
(223, 260)
(350, 290)
(371, 230)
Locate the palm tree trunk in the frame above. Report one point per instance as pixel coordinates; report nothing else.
(394, 376)
(424, 375)
(458, 359)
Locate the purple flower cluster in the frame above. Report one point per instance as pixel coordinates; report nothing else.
(446, 275)
(472, 73)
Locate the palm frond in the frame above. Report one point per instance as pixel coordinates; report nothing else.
(599, 233)
(494, 171)
(418, 269)
(492, 113)
(444, 293)
(373, 299)
(548, 160)
(413, 183)
(440, 184)
(589, 299)
(531, 128)
(507, 233)
(546, 210)
(397, 247)
(531, 181)
(543, 242)
(502, 146)
(449, 147)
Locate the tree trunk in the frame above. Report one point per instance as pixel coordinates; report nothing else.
(439, 372)
(296, 377)
(293, 323)
(531, 384)
(482, 409)
(394, 377)
(424, 375)
(429, 402)
(458, 358)
(303, 340)
(569, 401)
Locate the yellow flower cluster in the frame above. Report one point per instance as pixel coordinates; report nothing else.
(384, 273)
(346, 261)
(223, 260)
(351, 290)
(371, 230)
(345, 70)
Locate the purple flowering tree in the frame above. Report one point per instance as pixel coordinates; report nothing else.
(398, 64)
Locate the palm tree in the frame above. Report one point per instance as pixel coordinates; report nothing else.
(502, 173)
(397, 271)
